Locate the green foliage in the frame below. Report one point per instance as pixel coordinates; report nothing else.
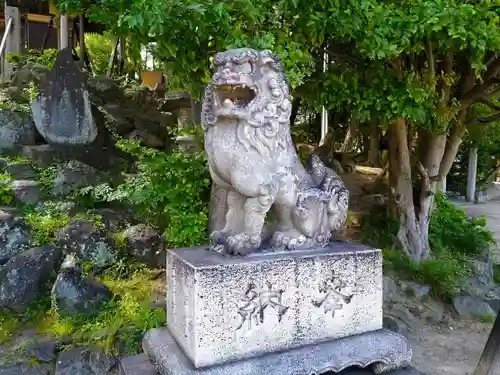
(6, 194)
(46, 177)
(45, 58)
(170, 190)
(99, 47)
(443, 273)
(44, 225)
(127, 317)
(10, 324)
(454, 238)
(487, 141)
(452, 229)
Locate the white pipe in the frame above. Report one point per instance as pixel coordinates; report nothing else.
(324, 112)
(64, 35)
(5, 35)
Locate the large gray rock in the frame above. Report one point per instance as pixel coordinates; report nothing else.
(83, 362)
(15, 130)
(74, 294)
(73, 176)
(472, 307)
(26, 191)
(31, 72)
(41, 155)
(15, 236)
(23, 277)
(21, 171)
(146, 245)
(62, 112)
(113, 220)
(88, 242)
(23, 369)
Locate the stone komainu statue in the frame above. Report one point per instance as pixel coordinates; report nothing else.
(246, 118)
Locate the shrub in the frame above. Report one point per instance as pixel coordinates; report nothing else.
(444, 272)
(169, 190)
(451, 228)
(453, 236)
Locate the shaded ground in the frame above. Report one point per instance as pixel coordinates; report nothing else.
(455, 348)
(451, 350)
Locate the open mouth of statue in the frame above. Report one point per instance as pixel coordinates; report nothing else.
(231, 96)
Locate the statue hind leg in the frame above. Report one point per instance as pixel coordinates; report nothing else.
(286, 236)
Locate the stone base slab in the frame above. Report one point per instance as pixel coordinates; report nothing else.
(225, 309)
(382, 351)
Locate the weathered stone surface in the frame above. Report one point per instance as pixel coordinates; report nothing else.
(270, 301)
(140, 365)
(113, 220)
(31, 72)
(23, 369)
(73, 176)
(62, 112)
(23, 277)
(73, 293)
(251, 154)
(43, 350)
(83, 362)
(145, 244)
(472, 307)
(41, 155)
(399, 319)
(146, 139)
(21, 171)
(392, 292)
(26, 191)
(15, 130)
(382, 349)
(136, 365)
(15, 236)
(415, 289)
(88, 242)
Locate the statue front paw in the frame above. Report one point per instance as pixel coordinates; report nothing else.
(242, 244)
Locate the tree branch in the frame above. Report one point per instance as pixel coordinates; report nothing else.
(489, 103)
(338, 55)
(424, 175)
(488, 77)
(484, 120)
(431, 60)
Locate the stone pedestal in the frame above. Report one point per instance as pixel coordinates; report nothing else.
(275, 312)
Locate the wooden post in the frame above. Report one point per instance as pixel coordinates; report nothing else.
(13, 41)
(63, 32)
(489, 363)
(471, 175)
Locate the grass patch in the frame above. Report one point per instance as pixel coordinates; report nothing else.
(126, 318)
(454, 238)
(444, 272)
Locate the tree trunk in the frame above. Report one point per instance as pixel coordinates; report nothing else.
(351, 137)
(295, 110)
(413, 234)
(374, 149)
